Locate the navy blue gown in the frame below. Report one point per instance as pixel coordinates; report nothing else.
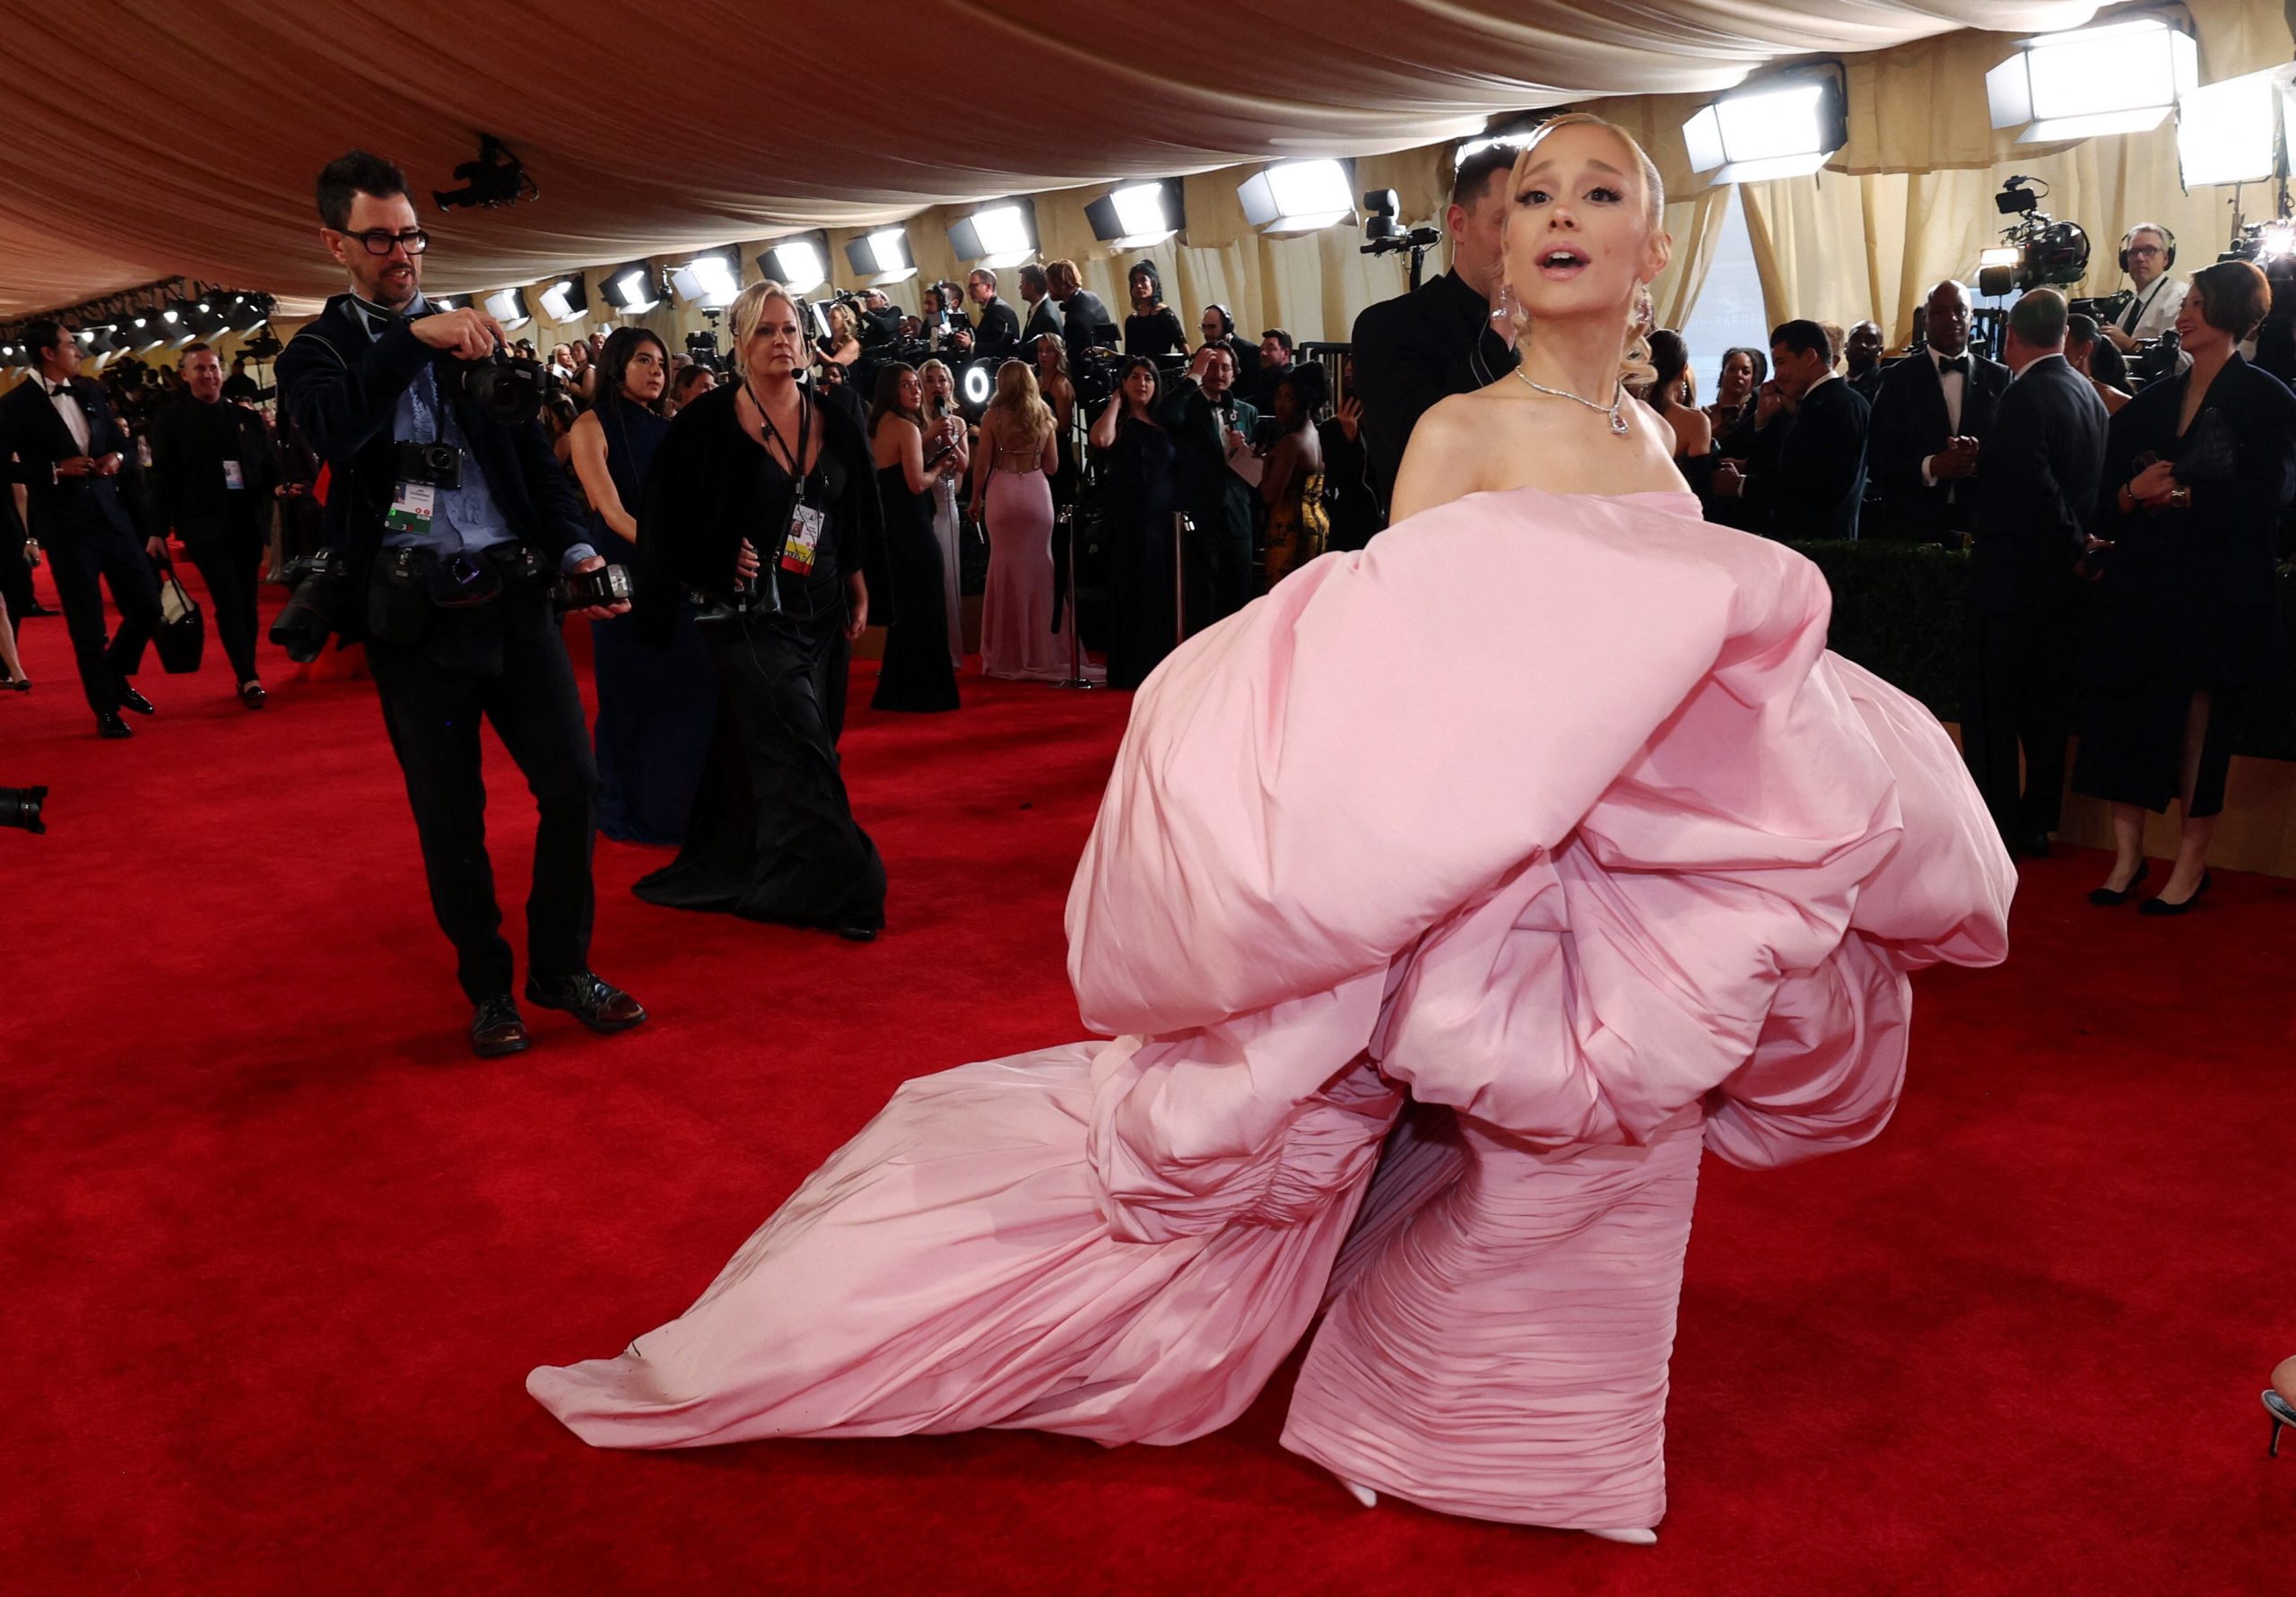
(657, 707)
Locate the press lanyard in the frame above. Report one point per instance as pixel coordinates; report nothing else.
(805, 434)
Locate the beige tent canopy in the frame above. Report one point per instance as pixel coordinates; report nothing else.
(144, 141)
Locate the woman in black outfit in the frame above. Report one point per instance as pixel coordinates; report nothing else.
(1152, 328)
(761, 508)
(917, 675)
(2198, 470)
(1139, 486)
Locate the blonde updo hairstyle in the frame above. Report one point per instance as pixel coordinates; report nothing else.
(748, 309)
(1635, 365)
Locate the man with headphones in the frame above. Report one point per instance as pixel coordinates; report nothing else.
(2147, 251)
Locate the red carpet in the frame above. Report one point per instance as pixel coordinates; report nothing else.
(279, 1253)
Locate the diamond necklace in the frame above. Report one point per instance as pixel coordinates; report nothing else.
(1614, 410)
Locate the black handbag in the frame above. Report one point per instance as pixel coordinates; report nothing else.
(181, 636)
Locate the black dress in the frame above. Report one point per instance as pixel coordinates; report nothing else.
(1139, 481)
(2186, 600)
(772, 835)
(1158, 333)
(917, 675)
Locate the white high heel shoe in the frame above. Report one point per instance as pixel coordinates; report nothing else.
(1638, 1537)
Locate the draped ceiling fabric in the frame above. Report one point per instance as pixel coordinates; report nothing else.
(148, 139)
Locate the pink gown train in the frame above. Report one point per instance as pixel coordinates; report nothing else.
(1550, 814)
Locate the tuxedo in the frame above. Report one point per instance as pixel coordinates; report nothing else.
(2044, 458)
(1044, 319)
(214, 479)
(1814, 492)
(1218, 569)
(998, 333)
(1913, 416)
(1413, 351)
(84, 525)
(1086, 324)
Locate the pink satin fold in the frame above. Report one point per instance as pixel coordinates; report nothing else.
(1551, 813)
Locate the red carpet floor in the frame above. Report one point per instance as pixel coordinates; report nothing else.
(278, 1253)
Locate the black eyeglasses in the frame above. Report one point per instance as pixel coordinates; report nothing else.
(382, 240)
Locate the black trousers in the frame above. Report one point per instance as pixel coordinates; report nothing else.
(773, 836)
(15, 569)
(2018, 696)
(231, 561)
(1219, 574)
(432, 713)
(84, 561)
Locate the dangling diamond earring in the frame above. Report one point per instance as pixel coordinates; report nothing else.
(1504, 311)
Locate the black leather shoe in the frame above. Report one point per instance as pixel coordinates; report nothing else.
(251, 694)
(496, 1030)
(110, 724)
(130, 698)
(2163, 906)
(18, 684)
(599, 1005)
(859, 933)
(2033, 845)
(2105, 897)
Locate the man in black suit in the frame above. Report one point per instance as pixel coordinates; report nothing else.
(1806, 486)
(1437, 339)
(997, 332)
(2043, 459)
(1209, 425)
(214, 477)
(1929, 424)
(1863, 351)
(68, 448)
(1083, 320)
(1044, 316)
(455, 523)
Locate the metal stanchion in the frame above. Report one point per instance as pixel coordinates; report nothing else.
(1180, 525)
(1076, 677)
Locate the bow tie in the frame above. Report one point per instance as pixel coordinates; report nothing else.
(60, 390)
(1959, 363)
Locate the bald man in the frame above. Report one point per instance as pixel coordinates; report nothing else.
(1930, 419)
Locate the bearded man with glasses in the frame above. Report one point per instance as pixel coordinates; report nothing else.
(453, 523)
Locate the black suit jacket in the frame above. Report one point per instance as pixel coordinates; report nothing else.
(1814, 492)
(998, 333)
(1909, 425)
(1044, 316)
(1413, 351)
(30, 430)
(189, 444)
(2042, 461)
(343, 388)
(1082, 321)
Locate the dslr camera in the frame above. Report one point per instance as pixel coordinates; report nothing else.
(510, 388)
(322, 596)
(20, 807)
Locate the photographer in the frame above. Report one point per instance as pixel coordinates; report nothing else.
(62, 440)
(2147, 251)
(452, 521)
(214, 477)
(1437, 340)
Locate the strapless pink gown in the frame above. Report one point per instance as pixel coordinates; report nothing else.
(1017, 638)
(1655, 894)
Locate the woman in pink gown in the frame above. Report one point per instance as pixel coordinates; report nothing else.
(1659, 896)
(1012, 497)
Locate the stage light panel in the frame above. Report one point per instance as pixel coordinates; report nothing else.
(1297, 196)
(2123, 77)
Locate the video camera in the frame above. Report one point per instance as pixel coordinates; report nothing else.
(2043, 252)
(1385, 234)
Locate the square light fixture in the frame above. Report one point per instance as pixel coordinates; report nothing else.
(709, 281)
(632, 290)
(565, 299)
(2121, 77)
(1001, 235)
(509, 307)
(799, 263)
(1774, 129)
(882, 256)
(1138, 214)
(1297, 196)
(2230, 132)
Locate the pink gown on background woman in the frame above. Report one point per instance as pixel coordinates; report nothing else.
(1549, 814)
(1017, 638)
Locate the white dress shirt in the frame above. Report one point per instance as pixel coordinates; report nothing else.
(2154, 310)
(1955, 387)
(67, 405)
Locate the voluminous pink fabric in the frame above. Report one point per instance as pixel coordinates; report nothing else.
(1551, 812)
